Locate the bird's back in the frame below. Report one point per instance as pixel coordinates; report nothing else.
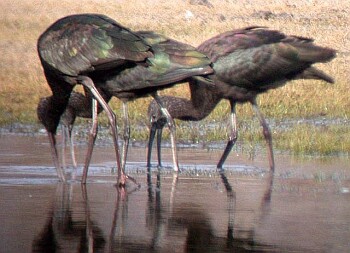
(172, 62)
(84, 43)
(259, 59)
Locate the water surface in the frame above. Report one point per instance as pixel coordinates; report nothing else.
(308, 209)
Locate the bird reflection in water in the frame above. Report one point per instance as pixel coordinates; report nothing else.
(63, 234)
(200, 233)
(186, 227)
(169, 222)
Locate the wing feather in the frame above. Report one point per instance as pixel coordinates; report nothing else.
(82, 43)
(258, 58)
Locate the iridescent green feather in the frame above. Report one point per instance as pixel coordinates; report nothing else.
(160, 63)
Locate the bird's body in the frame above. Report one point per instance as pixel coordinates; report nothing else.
(251, 61)
(246, 63)
(171, 62)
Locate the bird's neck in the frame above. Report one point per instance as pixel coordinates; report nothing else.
(51, 114)
(204, 99)
(201, 104)
(57, 103)
(105, 95)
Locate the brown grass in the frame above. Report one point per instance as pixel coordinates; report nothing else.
(22, 82)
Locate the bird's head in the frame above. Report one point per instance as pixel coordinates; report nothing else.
(49, 114)
(155, 115)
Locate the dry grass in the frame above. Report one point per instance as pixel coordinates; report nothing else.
(22, 82)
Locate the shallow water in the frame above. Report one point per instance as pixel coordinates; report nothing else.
(308, 209)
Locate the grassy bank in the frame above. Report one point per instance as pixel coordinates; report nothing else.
(22, 82)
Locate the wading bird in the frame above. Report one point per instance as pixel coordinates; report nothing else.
(246, 63)
(79, 105)
(95, 51)
(72, 51)
(204, 99)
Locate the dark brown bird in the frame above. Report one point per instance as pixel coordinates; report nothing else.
(246, 62)
(204, 99)
(95, 51)
(79, 105)
(75, 49)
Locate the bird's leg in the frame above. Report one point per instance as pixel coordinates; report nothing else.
(126, 138)
(268, 191)
(87, 82)
(126, 142)
(267, 134)
(91, 141)
(72, 152)
(67, 132)
(231, 203)
(64, 131)
(152, 133)
(232, 138)
(172, 128)
(126, 135)
(159, 146)
(268, 138)
(114, 227)
(88, 228)
(172, 192)
(54, 154)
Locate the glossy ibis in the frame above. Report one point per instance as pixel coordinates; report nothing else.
(72, 51)
(246, 62)
(97, 52)
(204, 99)
(79, 105)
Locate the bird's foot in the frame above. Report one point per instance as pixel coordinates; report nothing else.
(122, 182)
(72, 176)
(177, 169)
(220, 169)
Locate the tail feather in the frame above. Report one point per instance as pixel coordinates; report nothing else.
(311, 53)
(314, 73)
(180, 74)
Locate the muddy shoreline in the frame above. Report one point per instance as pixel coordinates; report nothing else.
(81, 130)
